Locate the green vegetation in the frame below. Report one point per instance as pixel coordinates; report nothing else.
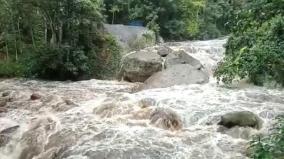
(64, 39)
(270, 146)
(56, 40)
(175, 20)
(256, 47)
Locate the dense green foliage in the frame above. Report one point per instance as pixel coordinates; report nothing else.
(270, 146)
(11, 69)
(57, 39)
(256, 48)
(178, 19)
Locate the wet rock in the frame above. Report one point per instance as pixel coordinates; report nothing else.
(166, 119)
(3, 110)
(183, 74)
(140, 65)
(35, 138)
(147, 102)
(7, 129)
(6, 135)
(105, 110)
(113, 108)
(238, 132)
(69, 102)
(6, 94)
(181, 57)
(164, 51)
(241, 119)
(3, 102)
(35, 96)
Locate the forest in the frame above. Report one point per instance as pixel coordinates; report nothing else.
(62, 40)
(66, 40)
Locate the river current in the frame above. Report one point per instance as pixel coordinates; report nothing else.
(97, 119)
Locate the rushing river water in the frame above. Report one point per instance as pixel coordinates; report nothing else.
(106, 120)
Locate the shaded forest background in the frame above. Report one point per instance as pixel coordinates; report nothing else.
(62, 40)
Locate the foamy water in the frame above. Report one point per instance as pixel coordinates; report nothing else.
(106, 120)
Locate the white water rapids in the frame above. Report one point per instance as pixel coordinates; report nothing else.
(106, 120)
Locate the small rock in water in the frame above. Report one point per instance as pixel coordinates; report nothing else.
(35, 96)
(164, 51)
(147, 102)
(6, 94)
(3, 110)
(3, 102)
(69, 102)
(166, 119)
(242, 119)
(6, 134)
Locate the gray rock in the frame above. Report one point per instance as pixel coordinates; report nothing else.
(6, 135)
(131, 37)
(35, 96)
(164, 51)
(139, 66)
(182, 74)
(3, 110)
(6, 94)
(3, 102)
(166, 119)
(181, 57)
(241, 119)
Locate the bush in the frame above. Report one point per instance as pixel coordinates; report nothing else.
(67, 63)
(105, 61)
(270, 146)
(57, 63)
(11, 69)
(256, 48)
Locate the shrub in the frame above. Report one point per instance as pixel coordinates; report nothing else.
(67, 63)
(256, 48)
(270, 146)
(11, 69)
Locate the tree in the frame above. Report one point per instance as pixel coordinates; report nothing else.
(65, 34)
(256, 48)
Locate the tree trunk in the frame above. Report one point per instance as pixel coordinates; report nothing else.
(45, 30)
(33, 38)
(53, 38)
(112, 17)
(60, 33)
(19, 33)
(16, 49)
(7, 51)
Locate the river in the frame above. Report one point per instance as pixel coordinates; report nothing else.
(97, 119)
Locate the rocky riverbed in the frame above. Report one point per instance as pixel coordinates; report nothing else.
(110, 120)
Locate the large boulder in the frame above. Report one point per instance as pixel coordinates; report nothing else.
(131, 37)
(161, 66)
(140, 65)
(181, 74)
(241, 119)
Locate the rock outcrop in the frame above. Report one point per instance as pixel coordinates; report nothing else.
(241, 119)
(161, 66)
